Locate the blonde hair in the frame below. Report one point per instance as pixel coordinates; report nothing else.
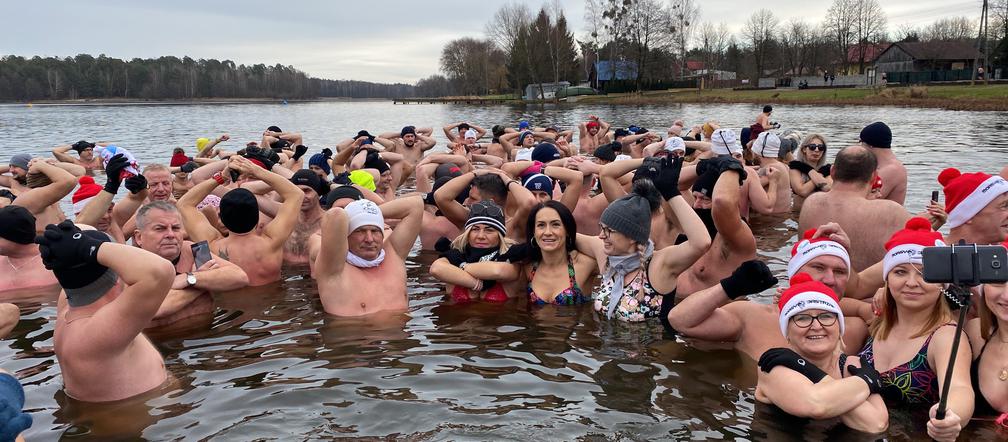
(800, 155)
(460, 242)
(940, 314)
(155, 167)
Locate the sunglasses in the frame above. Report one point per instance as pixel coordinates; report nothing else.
(819, 147)
(490, 210)
(825, 319)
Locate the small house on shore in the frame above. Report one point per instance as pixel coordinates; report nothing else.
(544, 91)
(927, 56)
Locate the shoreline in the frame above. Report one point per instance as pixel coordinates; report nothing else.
(179, 101)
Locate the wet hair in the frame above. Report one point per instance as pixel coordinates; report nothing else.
(854, 164)
(142, 214)
(491, 186)
(566, 218)
(497, 131)
(646, 189)
(463, 127)
(767, 109)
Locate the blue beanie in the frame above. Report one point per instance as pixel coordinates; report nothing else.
(320, 161)
(545, 152)
(539, 183)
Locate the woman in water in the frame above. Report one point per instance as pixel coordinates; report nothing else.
(809, 172)
(483, 239)
(553, 267)
(989, 335)
(831, 383)
(639, 282)
(911, 341)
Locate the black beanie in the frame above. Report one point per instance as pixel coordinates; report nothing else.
(605, 152)
(341, 192)
(705, 183)
(305, 177)
(239, 211)
(86, 282)
(17, 224)
(877, 134)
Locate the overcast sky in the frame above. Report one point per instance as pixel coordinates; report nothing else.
(379, 40)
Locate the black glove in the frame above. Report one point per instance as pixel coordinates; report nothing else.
(189, 166)
(668, 178)
(113, 170)
(648, 169)
(299, 151)
(515, 253)
(868, 374)
(788, 358)
(12, 420)
(800, 166)
(725, 163)
(749, 278)
(327, 153)
(825, 170)
(136, 184)
(64, 245)
(454, 256)
(442, 245)
(343, 178)
(775, 125)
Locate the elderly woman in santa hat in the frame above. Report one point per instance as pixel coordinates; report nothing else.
(911, 342)
(832, 384)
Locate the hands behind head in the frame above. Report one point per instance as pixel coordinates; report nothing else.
(136, 184)
(667, 181)
(833, 232)
(64, 245)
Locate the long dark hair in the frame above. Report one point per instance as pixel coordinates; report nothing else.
(566, 218)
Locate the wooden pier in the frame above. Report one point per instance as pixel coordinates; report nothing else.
(463, 100)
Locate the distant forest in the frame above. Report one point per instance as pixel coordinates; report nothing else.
(85, 76)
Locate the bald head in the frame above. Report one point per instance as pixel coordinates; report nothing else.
(854, 164)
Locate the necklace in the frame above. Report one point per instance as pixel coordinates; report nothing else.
(16, 268)
(1003, 376)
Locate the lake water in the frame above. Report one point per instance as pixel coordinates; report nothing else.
(273, 365)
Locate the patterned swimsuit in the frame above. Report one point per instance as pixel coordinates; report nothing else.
(631, 309)
(913, 382)
(569, 296)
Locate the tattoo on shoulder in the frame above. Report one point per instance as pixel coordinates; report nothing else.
(223, 253)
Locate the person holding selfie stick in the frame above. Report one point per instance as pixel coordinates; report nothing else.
(197, 271)
(911, 342)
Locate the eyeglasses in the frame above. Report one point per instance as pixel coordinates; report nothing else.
(825, 319)
(819, 147)
(605, 230)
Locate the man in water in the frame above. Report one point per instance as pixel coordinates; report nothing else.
(977, 206)
(868, 222)
(763, 119)
(753, 327)
(41, 201)
(488, 184)
(258, 252)
(878, 138)
(460, 130)
(85, 152)
(411, 143)
(359, 270)
(21, 271)
(295, 249)
(112, 292)
(159, 231)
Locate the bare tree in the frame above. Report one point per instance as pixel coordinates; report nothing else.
(647, 30)
(683, 15)
(950, 28)
(869, 28)
(507, 23)
(712, 40)
(795, 41)
(840, 19)
(759, 31)
(595, 27)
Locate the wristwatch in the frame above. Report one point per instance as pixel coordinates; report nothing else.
(191, 279)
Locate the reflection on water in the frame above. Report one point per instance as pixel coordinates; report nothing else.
(270, 364)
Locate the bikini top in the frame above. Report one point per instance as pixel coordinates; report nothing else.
(982, 406)
(571, 295)
(913, 382)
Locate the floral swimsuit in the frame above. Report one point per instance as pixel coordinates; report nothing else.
(571, 295)
(631, 309)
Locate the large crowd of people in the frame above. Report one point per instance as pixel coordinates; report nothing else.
(643, 225)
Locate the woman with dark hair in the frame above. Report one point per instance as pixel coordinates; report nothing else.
(638, 282)
(551, 264)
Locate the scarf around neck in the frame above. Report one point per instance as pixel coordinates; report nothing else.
(357, 261)
(617, 267)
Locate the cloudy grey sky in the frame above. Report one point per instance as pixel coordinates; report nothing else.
(378, 40)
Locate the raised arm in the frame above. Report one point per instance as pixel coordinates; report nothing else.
(36, 200)
(281, 227)
(409, 211)
(61, 153)
(333, 253)
(725, 211)
(672, 260)
(610, 174)
(572, 179)
(448, 132)
(480, 132)
(425, 142)
(445, 198)
(197, 226)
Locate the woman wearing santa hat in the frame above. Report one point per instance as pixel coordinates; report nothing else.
(910, 343)
(989, 334)
(831, 383)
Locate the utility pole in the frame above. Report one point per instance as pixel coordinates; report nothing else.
(981, 42)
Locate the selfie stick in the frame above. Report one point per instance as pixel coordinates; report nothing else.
(956, 289)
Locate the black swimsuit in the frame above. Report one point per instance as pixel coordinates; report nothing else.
(981, 405)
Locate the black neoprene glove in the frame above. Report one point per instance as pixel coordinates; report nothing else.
(442, 245)
(749, 278)
(648, 169)
(342, 178)
(668, 178)
(800, 166)
(327, 153)
(113, 170)
(825, 169)
(726, 163)
(189, 166)
(786, 357)
(136, 184)
(299, 151)
(454, 256)
(515, 253)
(64, 245)
(868, 374)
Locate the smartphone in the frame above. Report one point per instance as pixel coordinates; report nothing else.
(934, 196)
(974, 265)
(201, 252)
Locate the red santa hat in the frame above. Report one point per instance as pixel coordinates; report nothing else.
(178, 159)
(804, 294)
(809, 248)
(907, 245)
(87, 190)
(966, 194)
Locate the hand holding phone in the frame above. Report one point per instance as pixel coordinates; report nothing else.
(934, 196)
(201, 253)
